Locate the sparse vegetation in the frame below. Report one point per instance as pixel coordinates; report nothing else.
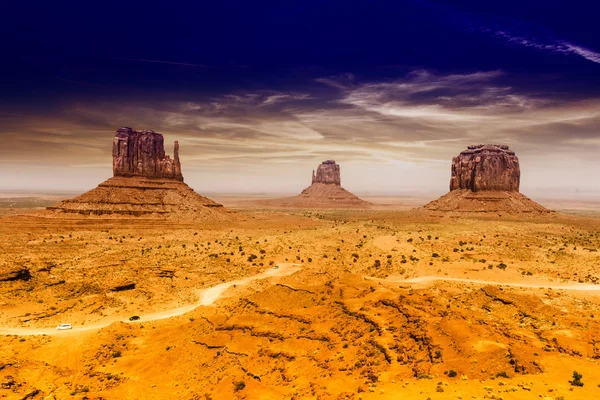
(240, 385)
(576, 381)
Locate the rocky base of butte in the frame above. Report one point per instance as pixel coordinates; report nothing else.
(146, 183)
(485, 178)
(137, 197)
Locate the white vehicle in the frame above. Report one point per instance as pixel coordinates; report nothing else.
(63, 327)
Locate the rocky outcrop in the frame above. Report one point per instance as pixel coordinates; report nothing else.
(328, 172)
(486, 167)
(146, 183)
(123, 287)
(18, 274)
(142, 154)
(325, 192)
(485, 179)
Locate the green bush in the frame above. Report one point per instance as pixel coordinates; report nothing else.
(576, 379)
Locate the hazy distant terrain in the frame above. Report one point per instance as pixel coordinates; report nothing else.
(568, 202)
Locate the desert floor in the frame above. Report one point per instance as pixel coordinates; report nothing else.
(378, 304)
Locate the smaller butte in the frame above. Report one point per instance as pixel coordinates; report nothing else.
(325, 191)
(146, 183)
(485, 178)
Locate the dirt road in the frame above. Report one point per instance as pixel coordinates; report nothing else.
(430, 279)
(207, 296)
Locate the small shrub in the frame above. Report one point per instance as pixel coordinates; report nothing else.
(576, 379)
(452, 373)
(239, 386)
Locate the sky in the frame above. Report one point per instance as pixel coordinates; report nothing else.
(259, 93)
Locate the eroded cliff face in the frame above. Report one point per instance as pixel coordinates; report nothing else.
(327, 172)
(486, 167)
(142, 153)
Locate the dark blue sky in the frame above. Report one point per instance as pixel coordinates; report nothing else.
(59, 49)
(420, 80)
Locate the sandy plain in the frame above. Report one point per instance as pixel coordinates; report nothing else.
(373, 304)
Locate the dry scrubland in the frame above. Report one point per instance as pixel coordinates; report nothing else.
(343, 327)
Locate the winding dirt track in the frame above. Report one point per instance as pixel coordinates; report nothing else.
(430, 279)
(210, 295)
(206, 298)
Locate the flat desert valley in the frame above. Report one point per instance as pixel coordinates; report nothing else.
(278, 303)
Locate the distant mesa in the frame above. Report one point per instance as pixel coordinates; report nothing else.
(324, 192)
(485, 178)
(145, 182)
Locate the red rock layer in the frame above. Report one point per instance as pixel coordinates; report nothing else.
(142, 153)
(327, 172)
(486, 167)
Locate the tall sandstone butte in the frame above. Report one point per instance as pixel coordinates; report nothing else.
(327, 172)
(142, 153)
(146, 182)
(486, 167)
(485, 178)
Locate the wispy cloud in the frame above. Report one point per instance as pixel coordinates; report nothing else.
(583, 52)
(517, 33)
(546, 44)
(452, 98)
(280, 98)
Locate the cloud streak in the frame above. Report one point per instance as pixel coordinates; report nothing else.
(521, 34)
(549, 45)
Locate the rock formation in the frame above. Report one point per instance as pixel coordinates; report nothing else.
(324, 192)
(485, 178)
(327, 172)
(486, 167)
(146, 182)
(142, 153)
